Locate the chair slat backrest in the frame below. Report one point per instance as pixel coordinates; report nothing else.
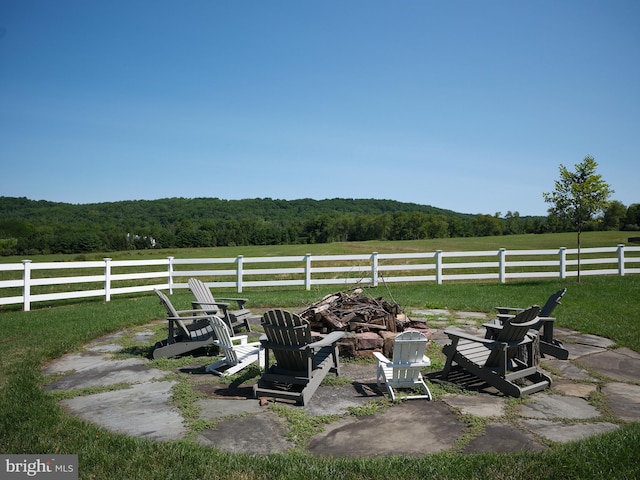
(224, 339)
(290, 332)
(552, 303)
(203, 295)
(172, 312)
(514, 330)
(408, 348)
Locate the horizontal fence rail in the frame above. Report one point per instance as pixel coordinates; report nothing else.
(28, 282)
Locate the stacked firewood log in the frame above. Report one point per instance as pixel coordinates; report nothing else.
(354, 312)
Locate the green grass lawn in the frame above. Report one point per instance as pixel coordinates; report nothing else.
(32, 421)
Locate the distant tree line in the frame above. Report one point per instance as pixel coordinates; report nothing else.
(29, 227)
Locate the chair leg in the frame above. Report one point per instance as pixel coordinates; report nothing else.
(379, 375)
(392, 394)
(449, 351)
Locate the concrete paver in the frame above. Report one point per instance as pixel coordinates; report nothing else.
(100, 371)
(259, 434)
(413, 427)
(338, 400)
(410, 428)
(548, 406)
(577, 350)
(567, 387)
(566, 432)
(615, 364)
(503, 438)
(142, 410)
(568, 369)
(471, 315)
(432, 312)
(624, 400)
(221, 407)
(587, 339)
(484, 406)
(107, 348)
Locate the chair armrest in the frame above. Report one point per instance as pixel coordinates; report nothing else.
(239, 301)
(201, 311)
(451, 333)
(209, 304)
(266, 344)
(509, 310)
(188, 317)
(381, 358)
(426, 361)
(330, 339)
(241, 338)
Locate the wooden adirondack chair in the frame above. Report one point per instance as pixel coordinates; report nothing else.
(238, 353)
(189, 330)
(548, 344)
(404, 370)
(235, 319)
(300, 363)
(496, 360)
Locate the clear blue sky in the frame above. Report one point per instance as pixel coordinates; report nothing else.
(466, 105)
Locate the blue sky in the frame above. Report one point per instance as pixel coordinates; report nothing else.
(465, 105)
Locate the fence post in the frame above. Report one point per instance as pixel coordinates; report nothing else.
(502, 255)
(621, 259)
(374, 269)
(307, 271)
(107, 279)
(170, 279)
(439, 267)
(239, 271)
(563, 262)
(26, 285)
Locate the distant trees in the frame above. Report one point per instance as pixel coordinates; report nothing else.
(32, 227)
(614, 216)
(632, 219)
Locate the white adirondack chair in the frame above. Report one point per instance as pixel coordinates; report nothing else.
(238, 353)
(404, 370)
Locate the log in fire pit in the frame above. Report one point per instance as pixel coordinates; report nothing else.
(371, 323)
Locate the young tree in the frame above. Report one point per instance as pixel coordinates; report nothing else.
(579, 195)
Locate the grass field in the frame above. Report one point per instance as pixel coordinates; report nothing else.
(511, 242)
(31, 421)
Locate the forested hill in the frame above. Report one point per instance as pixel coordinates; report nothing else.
(31, 227)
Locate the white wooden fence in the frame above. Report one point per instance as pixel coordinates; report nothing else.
(50, 281)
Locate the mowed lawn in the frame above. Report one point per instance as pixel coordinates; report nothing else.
(32, 421)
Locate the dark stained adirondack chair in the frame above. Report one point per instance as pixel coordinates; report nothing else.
(235, 319)
(300, 363)
(548, 344)
(498, 361)
(189, 330)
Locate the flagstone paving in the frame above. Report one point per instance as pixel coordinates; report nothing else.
(136, 399)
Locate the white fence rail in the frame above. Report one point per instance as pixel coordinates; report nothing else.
(50, 281)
